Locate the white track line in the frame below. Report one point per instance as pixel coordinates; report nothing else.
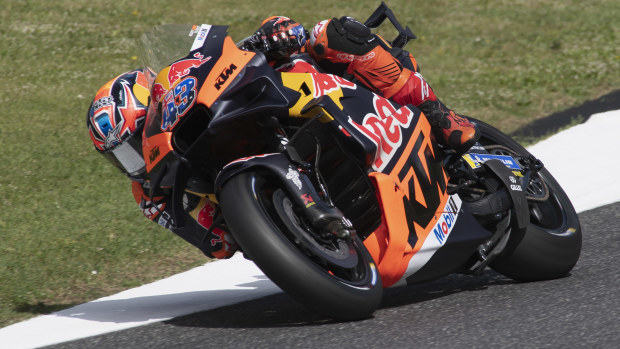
(584, 160)
(581, 158)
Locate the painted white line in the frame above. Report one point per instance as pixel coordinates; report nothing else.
(584, 160)
(206, 287)
(581, 158)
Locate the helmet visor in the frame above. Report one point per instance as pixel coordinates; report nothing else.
(127, 156)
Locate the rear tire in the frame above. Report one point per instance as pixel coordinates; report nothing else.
(551, 244)
(340, 281)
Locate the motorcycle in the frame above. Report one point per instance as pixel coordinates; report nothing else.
(334, 191)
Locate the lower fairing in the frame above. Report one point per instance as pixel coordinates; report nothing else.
(449, 247)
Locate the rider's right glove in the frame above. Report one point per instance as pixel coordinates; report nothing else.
(152, 208)
(278, 37)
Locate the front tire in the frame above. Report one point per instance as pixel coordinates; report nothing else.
(551, 244)
(338, 280)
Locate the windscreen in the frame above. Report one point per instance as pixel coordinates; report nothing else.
(165, 44)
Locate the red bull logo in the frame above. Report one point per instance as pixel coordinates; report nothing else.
(181, 68)
(169, 75)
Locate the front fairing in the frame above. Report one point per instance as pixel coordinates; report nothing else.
(188, 66)
(207, 97)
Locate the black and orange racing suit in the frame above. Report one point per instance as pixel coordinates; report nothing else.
(348, 48)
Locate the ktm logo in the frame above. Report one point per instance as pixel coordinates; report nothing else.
(224, 75)
(154, 154)
(423, 180)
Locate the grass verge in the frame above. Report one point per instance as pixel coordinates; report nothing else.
(70, 230)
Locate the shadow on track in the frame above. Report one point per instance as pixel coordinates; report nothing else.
(280, 310)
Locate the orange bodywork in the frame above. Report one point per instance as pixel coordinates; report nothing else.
(158, 146)
(223, 72)
(228, 66)
(389, 244)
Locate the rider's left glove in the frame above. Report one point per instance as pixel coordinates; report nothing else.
(279, 37)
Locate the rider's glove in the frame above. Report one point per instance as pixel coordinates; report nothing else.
(152, 208)
(278, 37)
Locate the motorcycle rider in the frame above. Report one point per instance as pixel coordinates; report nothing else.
(341, 46)
(345, 47)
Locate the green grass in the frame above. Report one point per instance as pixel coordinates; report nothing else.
(69, 227)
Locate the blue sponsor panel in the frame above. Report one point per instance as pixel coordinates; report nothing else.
(476, 160)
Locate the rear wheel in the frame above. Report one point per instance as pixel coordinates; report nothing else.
(551, 244)
(336, 277)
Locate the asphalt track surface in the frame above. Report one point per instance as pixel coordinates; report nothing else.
(578, 311)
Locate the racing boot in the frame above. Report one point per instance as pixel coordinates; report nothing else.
(450, 129)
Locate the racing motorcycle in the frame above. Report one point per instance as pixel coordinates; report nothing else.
(334, 191)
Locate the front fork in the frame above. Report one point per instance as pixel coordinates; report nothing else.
(317, 208)
(295, 175)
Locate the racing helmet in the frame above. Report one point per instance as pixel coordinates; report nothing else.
(115, 121)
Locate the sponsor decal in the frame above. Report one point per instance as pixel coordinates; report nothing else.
(447, 220)
(477, 146)
(224, 75)
(385, 129)
(326, 83)
(182, 67)
(103, 102)
(201, 36)
(437, 237)
(476, 160)
(350, 58)
(514, 186)
(194, 30)
(154, 154)
(177, 102)
(158, 92)
(177, 71)
(216, 240)
(293, 176)
(114, 136)
(308, 201)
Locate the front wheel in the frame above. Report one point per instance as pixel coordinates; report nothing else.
(551, 244)
(335, 277)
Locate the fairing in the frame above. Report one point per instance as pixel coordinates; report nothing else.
(419, 218)
(210, 64)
